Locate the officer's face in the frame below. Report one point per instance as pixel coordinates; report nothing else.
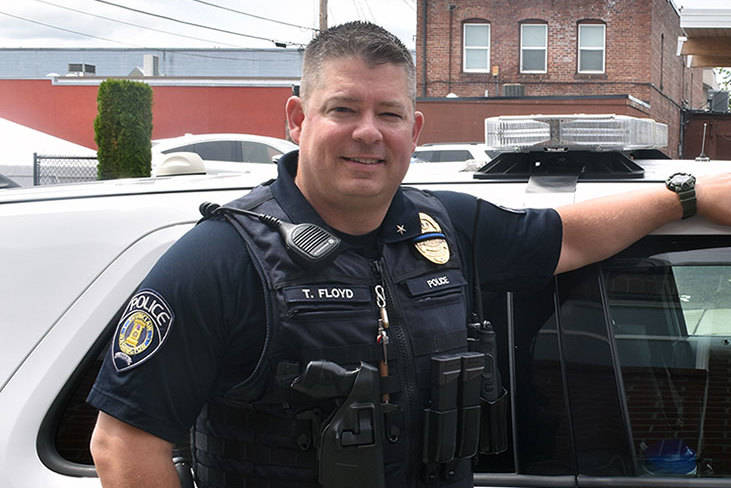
(356, 133)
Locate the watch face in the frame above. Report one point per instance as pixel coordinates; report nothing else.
(681, 181)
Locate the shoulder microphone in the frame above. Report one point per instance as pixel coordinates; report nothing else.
(308, 243)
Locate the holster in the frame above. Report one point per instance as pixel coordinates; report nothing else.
(350, 447)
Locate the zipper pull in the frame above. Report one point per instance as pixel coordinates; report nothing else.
(381, 303)
(382, 336)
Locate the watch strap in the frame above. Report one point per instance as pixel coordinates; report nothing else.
(688, 202)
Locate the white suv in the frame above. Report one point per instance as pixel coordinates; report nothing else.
(618, 373)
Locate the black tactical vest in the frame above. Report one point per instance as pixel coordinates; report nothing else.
(262, 434)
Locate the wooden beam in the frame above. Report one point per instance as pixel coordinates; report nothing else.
(707, 46)
(710, 61)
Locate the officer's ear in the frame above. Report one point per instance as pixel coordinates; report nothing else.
(416, 130)
(295, 117)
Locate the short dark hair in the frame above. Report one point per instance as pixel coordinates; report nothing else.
(370, 42)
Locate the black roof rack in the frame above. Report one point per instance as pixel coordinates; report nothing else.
(586, 165)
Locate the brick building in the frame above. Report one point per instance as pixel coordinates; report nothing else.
(550, 48)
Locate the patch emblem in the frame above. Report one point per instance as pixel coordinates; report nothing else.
(432, 243)
(142, 330)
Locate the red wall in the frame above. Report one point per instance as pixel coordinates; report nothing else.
(718, 135)
(68, 112)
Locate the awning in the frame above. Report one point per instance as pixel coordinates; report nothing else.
(707, 39)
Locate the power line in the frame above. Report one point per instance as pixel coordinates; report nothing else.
(356, 6)
(410, 4)
(367, 8)
(60, 28)
(133, 25)
(278, 43)
(256, 16)
(178, 51)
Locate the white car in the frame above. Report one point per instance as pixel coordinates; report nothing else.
(477, 153)
(435, 162)
(618, 372)
(226, 153)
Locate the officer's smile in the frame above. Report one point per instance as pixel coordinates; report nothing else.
(364, 161)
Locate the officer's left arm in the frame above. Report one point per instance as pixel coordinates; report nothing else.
(597, 229)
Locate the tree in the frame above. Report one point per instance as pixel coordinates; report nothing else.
(123, 128)
(723, 76)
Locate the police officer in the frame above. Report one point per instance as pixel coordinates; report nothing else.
(228, 317)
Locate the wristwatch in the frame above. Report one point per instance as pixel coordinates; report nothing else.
(684, 185)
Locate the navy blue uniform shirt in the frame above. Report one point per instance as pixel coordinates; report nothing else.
(207, 294)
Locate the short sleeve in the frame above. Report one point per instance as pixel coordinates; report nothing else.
(516, 249)
(214, 296)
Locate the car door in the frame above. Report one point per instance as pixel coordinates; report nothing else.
(666, 305)
(619, 372)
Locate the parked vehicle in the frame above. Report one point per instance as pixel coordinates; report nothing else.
(618, 373)
(227, 153)
(476, 153)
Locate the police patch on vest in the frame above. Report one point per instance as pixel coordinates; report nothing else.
(432, 243)
(435, 282)
(142, 330)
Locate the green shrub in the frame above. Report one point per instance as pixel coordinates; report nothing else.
(122, 129)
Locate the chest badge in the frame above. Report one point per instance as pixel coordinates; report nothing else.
(432, 243)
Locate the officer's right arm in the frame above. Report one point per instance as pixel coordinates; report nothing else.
(126, 456)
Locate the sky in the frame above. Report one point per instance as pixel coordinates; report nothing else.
(219, 23)
(246, 23)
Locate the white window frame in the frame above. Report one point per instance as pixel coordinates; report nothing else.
(544, 48)
(466, 48)
(603, 49)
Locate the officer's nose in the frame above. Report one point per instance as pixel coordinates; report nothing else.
(367, 130)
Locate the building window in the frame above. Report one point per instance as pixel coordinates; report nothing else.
(591, 48)
(476, 48)
(533, 48)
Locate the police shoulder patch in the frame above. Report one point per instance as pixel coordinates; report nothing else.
(143, 328)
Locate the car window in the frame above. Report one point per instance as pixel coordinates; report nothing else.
(426, 156)
(454, 155)
(542, 432)
(669, 313)
(599, 433)
(539, 441)
(705, 298)
(443, 155)
(76, 419)
(219, 151)
(186, 148)
(256, 152)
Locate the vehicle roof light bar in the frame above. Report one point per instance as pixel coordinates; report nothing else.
(587, 132)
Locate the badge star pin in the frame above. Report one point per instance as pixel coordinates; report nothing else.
(400, 229)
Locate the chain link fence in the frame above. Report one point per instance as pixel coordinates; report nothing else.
(51, 170)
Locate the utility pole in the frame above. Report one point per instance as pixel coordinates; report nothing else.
(323, 15)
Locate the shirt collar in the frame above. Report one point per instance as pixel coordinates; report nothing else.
(294, 204)
(401, 221)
